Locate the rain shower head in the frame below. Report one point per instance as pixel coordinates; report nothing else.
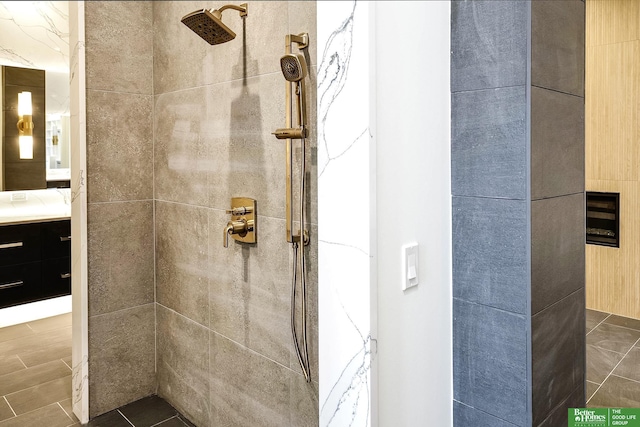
(207, 23)
(294, 67)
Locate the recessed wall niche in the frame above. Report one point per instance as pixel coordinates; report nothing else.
(603, 219)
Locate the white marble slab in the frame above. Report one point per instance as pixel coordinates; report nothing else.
(344, 195)
(35, 34)
(79, 235)
(18, 207)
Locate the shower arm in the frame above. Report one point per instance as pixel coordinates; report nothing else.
(242, 9)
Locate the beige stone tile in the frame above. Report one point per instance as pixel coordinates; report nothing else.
(10, 364)
(41, 395)
(181, 260)
(67, 406)
(182, 59)
(302, 19)
(20, 380)
(122, 362)
(250, 288)
(304, 402)
(119, 46)
(120, 256)
(47, 353)
(182, 122)
(247, 159)
(35, 342)
(15, 331)
(183, 364)
(53, 414)
(119, 146)
(5, 410)
(246, 388)
(49, 323)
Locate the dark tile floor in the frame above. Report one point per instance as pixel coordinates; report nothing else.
(613, 361)
(151, 411)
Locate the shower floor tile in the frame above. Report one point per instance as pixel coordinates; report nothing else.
(147, 412)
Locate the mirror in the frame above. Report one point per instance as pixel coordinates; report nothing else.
(35, 36)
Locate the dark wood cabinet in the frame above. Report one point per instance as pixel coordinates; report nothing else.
(35, 262)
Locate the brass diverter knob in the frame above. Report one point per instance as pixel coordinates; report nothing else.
(242, 226)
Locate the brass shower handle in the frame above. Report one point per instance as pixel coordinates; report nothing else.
(239, 226)
(242, 225)
(242, 210)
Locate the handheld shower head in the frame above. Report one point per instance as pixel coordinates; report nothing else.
(294, 67)
(207, 23)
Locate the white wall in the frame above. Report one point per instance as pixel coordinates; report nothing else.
(413, 196)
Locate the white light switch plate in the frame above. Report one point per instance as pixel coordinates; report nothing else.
(410, 262)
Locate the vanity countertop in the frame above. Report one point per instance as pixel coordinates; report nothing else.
(20, 207)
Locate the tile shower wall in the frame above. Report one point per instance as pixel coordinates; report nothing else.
(224, 350)
(518, 210)
(175, 128)
(119, 99)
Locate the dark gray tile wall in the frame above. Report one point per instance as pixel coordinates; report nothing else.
(517, 161)
(490, 364)
(464, 415)
(488, 44)
(557, 45)
(557, 144)
(485, 230)
(557, 249)
(488, 143)
(558, 356)
(559, 416)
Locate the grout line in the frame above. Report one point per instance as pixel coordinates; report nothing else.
(629, 379)
(14, 412)
(34, 386)
(614, 368)
(67, 365)
(620, 326)
(23, 364)
(160, 422)
(601, 322)
(65, 412)
(125, 417)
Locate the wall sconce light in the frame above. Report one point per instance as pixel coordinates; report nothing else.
(25, 125)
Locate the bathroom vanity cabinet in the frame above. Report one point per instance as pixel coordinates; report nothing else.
(35, 262)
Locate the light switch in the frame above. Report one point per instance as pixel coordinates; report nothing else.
(410, 261)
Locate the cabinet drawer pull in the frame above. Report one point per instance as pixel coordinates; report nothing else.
(65, 238)
(11, 245)
(11, 285)
(65, 275)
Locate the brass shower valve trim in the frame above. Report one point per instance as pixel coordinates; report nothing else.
(242, 227)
